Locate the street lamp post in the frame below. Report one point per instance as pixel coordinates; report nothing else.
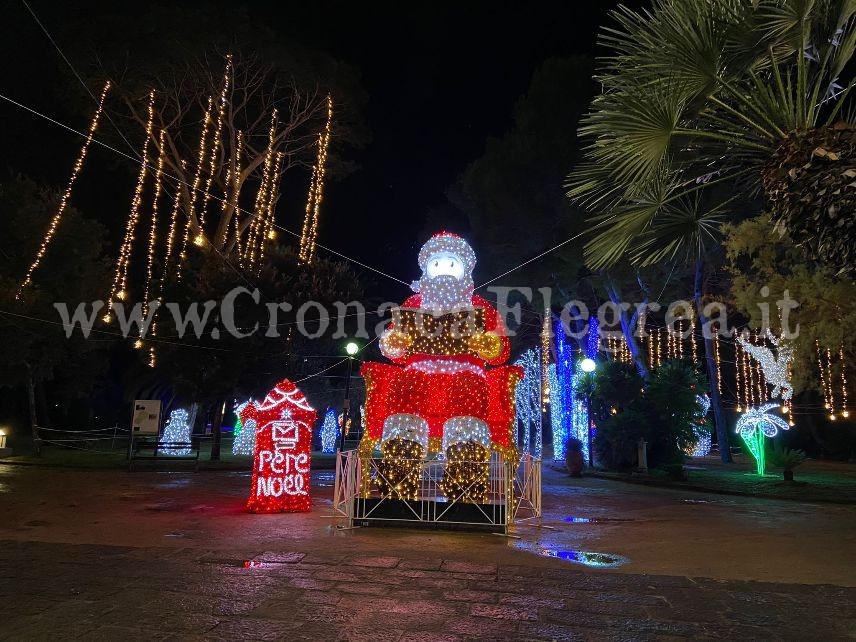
(588, 366)
(351, 349)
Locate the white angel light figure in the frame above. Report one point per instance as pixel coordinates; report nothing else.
(775, 367)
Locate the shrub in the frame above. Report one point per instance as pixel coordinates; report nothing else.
(672, 404)
(785, 458)
(615, 385)
(663, 415)
(573, 445)
(616, 439)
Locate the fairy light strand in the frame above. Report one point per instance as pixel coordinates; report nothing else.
(693, 343)
(154, 223)
(655, 337)
(744, 375)
(194, 188)
(268, 233)
(261, 195)
(236, 188)
(173, 225)
(215, 145)
(649, 345)
(759, 374)
(319, 183)
(844, 411)
(63, 204)
(120, 277)
(831, 389)
(138, 194)
(545, 361)
(738, 384)
(717, 362)
(751, 369)
(316, 191)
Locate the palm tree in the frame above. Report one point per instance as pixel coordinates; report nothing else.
(702, 97)
(746, 94)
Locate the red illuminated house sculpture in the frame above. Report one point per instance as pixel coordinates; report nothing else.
(281, 461)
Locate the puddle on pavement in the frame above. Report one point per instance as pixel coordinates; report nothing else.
(161, 506)
(586, 558)
(178, 482)
(591, 559)
(597, 520)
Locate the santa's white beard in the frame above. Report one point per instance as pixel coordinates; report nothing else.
(446, 292)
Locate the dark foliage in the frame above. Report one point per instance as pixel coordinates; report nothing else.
(662, 414)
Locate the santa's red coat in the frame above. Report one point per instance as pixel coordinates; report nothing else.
(476, 391)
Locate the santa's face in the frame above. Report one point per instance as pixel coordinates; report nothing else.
(445, 263)
(445, 284)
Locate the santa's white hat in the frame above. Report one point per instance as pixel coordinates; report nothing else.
(450, 243)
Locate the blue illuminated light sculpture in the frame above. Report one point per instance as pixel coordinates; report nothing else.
(569, 415)
(329, 432)
(527, 402)
(562, 392)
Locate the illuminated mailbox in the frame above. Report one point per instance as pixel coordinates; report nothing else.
(281, 463)
(285, 434)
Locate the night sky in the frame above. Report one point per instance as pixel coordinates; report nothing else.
(441, 78)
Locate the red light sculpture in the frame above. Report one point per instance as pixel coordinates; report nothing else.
(448, 390)
(281, 462)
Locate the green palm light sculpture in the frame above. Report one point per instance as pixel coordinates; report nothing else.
(755, 425)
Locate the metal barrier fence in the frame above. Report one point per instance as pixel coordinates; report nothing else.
(91, 439)
(490, 495)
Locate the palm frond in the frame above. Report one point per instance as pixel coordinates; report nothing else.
(694, 89)
(686, 229)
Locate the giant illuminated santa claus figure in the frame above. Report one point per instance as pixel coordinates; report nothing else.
(441, 396)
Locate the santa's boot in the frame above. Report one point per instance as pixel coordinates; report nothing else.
(466, 444)
(404, 445)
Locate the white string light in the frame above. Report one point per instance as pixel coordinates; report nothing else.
(154, 224)
(215, 145)
(545, 361)
(189, 186)
(259, 209)
(194, 188)
(844, 412)
(316, 191)
(63, 204)
(235, 196)
(120, 277)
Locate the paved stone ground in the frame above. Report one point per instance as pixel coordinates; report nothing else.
(65, 591)
(158, 556)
